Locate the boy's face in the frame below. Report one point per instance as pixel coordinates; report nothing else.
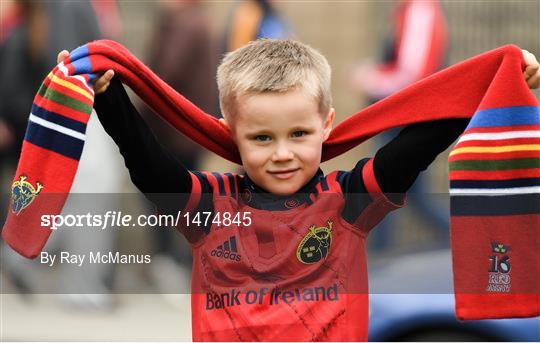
(280, 136)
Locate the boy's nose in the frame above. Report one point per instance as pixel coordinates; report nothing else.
(282, 153)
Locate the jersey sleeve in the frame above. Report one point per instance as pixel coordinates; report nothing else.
(206, 187)
(365, 203)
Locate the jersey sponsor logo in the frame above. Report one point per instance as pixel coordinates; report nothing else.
(227, 250)
(316, 244)
(23, 194)
(274, 296)
(499, 268)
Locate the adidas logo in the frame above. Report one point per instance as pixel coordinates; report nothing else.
(227, 250)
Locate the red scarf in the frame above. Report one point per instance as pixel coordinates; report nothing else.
(489, 86)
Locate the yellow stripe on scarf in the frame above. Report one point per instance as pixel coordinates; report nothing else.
(493, 150)
(71, 86)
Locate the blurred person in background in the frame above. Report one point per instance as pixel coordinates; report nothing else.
(108, 17)
(27, 52)
(182, 52)
(415, 49)
(11, 14)
(251, 20)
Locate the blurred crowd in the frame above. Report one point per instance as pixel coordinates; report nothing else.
(184, 49)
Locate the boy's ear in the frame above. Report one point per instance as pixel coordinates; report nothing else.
(224, 122)
(227, 126)
(329, 122)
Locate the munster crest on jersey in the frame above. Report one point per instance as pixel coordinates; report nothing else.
(23, 194)
(316, 244)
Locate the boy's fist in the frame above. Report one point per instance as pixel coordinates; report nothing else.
(101, 83)
(532, 70)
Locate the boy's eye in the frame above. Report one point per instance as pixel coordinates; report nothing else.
(262, 138)
(297, 134)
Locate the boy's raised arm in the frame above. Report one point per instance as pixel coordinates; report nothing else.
(397, 164)
(152, 168)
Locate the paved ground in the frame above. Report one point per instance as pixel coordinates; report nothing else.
(135, 318)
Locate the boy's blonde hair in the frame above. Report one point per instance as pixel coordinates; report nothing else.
(272, 65)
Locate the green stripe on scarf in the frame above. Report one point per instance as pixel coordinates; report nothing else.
(510, 164)
(65, 100)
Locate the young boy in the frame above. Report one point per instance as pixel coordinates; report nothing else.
(282, 256)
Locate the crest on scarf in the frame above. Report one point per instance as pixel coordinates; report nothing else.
(316, 244)
(23, 194)
(499, 272)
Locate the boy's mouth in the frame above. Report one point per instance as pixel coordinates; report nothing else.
(284, 174)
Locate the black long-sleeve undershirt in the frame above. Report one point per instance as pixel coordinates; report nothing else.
(151, 167)
(398, 163)
(154, 170)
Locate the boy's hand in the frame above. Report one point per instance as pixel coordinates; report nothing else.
(101, 83)
(532, 70)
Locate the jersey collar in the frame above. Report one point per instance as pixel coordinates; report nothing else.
(256, 197)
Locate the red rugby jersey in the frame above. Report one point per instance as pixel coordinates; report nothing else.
(282, 268)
